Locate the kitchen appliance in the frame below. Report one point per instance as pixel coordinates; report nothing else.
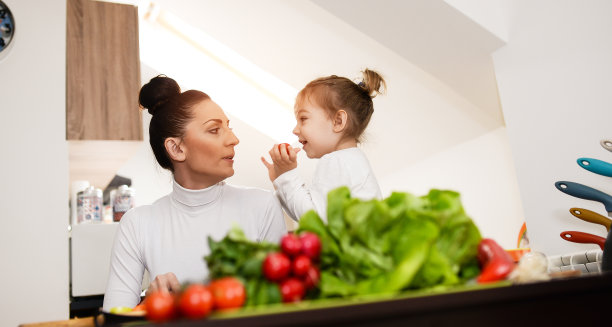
(90, 253)
(580, 237)
(596, 166)
(592, 217)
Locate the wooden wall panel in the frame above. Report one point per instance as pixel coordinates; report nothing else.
(103, 71)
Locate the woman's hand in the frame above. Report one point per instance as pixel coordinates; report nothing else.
(165, 283)
(284, 159)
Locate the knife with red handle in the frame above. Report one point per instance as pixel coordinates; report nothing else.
(580, 237)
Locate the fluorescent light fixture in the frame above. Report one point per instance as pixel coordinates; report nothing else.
(198, 61)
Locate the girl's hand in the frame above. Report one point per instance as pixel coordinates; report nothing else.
(284, 159)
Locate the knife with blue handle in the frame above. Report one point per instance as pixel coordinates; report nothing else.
(596, 166)
(587, 193)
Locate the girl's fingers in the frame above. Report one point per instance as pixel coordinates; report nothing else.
(266, 163)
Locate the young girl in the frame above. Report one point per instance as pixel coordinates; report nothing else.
(332, 113)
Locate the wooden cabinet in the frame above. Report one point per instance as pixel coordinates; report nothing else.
(103, 119)
(102, 71)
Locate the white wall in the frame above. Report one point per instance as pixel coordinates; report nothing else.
(34, 174)
(483, 171)
(555, 77)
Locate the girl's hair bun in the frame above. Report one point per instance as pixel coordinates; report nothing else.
(158, 91)
(373, 83)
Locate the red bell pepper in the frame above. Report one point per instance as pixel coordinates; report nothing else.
(495, 262)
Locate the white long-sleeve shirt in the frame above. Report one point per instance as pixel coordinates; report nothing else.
(170, 235)
(349, 167)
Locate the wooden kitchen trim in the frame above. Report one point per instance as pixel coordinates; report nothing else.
(102, 71)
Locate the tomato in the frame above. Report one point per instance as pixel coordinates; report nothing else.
(160, 306)
(196, 301)
(291, 244)
(311, 245)
(312, 277)
(292, 290)
(286, 147)
(276, 266)
(139, 307)
(228, 293)
(300, 265)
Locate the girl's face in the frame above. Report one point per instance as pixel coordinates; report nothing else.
(208, 144)
(315, 131)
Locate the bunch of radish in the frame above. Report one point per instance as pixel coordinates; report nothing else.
(294, 268)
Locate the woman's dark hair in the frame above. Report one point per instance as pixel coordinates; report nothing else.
(171, 111)
(335, 93)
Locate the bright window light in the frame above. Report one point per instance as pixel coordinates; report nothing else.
(198, 61)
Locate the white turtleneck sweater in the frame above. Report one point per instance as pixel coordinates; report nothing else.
(348, 167)
(170, 235)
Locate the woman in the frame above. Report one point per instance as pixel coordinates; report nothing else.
(190, 136)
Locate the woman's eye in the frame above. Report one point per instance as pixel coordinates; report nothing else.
(214, 130)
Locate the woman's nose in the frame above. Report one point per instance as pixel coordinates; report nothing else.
(233, 139)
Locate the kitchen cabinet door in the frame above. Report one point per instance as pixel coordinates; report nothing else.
(102, 71)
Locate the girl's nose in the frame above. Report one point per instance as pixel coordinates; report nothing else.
(296, 131)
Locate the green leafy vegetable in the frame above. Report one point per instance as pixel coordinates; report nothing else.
(401, 242)
(236, 256)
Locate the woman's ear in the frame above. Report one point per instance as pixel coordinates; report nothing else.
(175, 149)
(340, 121)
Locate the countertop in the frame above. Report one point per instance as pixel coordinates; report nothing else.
(575, 301)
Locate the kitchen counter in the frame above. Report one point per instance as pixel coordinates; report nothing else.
(572, 301)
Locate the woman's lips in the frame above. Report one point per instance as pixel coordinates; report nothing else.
(229, 159)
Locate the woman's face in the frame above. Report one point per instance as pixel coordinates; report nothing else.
(209, 144)
(315, 130)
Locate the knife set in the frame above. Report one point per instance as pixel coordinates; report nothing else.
(588, 193)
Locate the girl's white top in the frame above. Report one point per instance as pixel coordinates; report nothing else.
(348, 167)
(170, 235)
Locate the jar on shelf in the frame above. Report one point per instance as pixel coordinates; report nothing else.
(89, 205)
(122, 201)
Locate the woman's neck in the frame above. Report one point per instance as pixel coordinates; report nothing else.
(194, 182)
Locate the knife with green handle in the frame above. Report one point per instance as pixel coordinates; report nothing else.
(592, 217)
(584, 192)
(596, 166)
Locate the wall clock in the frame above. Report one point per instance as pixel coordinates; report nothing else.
(7, 26)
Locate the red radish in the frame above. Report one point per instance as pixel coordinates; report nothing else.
(311, 245)
(312, 277)
(276, 266)
(292, 290)
(300, 265)
(291, 244)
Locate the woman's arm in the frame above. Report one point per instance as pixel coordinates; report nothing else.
(273, 227)
(126, 267)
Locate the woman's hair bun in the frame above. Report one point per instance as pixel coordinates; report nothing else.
(373, 83)
(157, 92)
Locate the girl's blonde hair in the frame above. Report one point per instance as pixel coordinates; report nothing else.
(334, 93)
